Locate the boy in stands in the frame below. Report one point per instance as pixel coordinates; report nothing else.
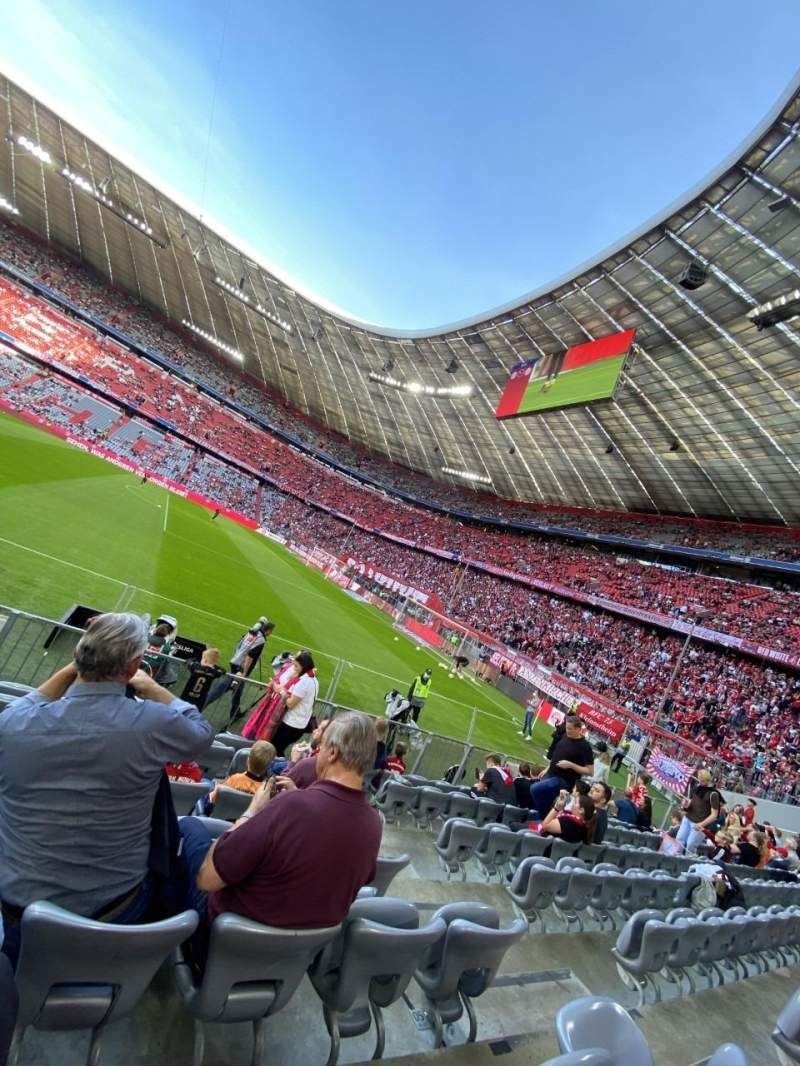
(497, 783)
(259, 759)
(396, 763)
(201, 676)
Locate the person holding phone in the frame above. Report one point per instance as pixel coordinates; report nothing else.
(700, 810)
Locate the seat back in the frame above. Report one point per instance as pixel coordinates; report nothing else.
(514, 814)
(430, 802)
(215, 761)
(185, 795)
(787, 1028)
(562, 849)
(488, 811)
(75, 973)
(386, 869)
(461, 806)
(239, 761)
(252, 969)
(231, 804)
(497, 846)
(470, 958)
(397, 798)
(588, 1057)
(629, 941)
(464, 838)
(233, 740)
(532, 844)
(597, 1021)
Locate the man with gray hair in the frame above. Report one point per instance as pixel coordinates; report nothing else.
(297, 857)
(80, 765)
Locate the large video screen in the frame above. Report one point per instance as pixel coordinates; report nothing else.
(581, 374)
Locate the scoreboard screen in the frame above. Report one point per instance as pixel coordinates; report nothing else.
(581, 374)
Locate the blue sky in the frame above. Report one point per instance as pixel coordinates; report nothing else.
(415, 163)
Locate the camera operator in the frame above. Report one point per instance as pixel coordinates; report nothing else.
(243, 661)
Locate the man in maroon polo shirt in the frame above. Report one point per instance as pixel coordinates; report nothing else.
(304, 771)
(296, 858)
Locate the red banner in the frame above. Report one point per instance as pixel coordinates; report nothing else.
(390, 581)
(601, 721)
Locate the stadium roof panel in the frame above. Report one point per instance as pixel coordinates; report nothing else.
(702, 375)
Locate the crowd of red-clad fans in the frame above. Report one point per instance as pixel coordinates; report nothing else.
(93, 296)
(744, 711)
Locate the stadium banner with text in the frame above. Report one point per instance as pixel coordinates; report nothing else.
(581, 374)
(673, 774)
(392, 583)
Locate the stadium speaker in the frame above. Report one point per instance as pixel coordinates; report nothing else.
(609, 449)
(512, 450)
(675, 446)
(693, 276)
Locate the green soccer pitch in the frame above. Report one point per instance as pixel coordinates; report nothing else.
(596, 381)
(76, 529)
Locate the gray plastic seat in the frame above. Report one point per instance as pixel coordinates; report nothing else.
(685, 950)
(718, 947)
(238, 763)
(591, 853)
(431, 803)
(609, 892)
(495, 850)
(395, 800)
(488, 811)
(231, 804)
(568, 862)
(460, 805)
(233, 740)
(185, 795)
(455, 845)
(461, 966)
(387, 868)
(9, 1003)
(786, 1033)
(562, 849)
(597, 1021)
(251, 972)
(368, 967)
(640, 893)
(575, 896)
(512, 814)
(530, 845)
(594, 1056)
(215, 761)
(534, 886)
(728, 1055)
(75, 973)
(641, 949)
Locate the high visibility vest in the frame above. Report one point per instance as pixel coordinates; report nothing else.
(420, 688)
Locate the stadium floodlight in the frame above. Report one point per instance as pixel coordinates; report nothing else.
(6, 205)
(467, 475)
(416, 388)
(237, 291)
(782, 309)
(80, 182)
(35, 149)
(212, 339)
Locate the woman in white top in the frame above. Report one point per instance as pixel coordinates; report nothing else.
(301, 693)
(602, 763)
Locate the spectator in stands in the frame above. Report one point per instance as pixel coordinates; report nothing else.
(396, 762)
(82, 839)
(640, 798)
(527, 722)
(571, 758)
(265, 716)
(749, 813)
(577, 826)
(245, 657)
(600, 795)
(381, 733)
(418, 693)
(161, 640)
(699, 811)
(751, 849)
(522, 786)
(296, 858)
(304, 771)
(259, 758)
(300, 694)
(627, 811)
(602, 762)
(496, 783)
(201, 677)
(619, 755)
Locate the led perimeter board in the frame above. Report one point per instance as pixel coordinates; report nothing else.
(582, 374)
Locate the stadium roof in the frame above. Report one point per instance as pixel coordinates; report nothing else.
(705, 420)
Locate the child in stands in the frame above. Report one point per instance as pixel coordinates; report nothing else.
(396, 762)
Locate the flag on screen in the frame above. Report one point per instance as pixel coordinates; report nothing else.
(515, 388)
(593, 351)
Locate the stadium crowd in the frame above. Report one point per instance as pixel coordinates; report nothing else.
(94, 296)
(750, 611)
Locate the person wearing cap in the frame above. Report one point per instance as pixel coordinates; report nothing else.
(418, 693)
(243, 661)
(699, 811)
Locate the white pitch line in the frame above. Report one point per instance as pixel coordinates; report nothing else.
(166, 512)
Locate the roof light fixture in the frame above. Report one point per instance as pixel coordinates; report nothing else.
(781, 309)
(35, 149)
(6, 205)
(467, 475)
(212, 339)
(416, 388)
(238, 293)
(80, 182)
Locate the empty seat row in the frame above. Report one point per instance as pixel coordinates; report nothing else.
(572, 890)
(620, 833)
(75, 973)
(682, 945)
(425, 804)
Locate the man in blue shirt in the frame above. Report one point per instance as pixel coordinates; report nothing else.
(80, 764)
